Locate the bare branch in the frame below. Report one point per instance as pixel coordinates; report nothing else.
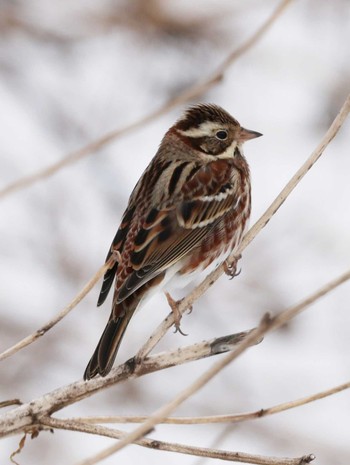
(226, 455)
(296, 403)
(267, 324)
(195, 91)
(229, 418)
(29, 414)
(59, 316)
(188, 301)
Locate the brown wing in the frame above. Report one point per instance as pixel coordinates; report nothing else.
(126, 229)
(169, 233)
(117, 244)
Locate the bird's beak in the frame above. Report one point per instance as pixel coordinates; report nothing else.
(247, 134)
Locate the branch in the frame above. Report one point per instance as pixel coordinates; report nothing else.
(29, 414)
(210, 419)
(60, 315)
(195, 91)
(175, 447)
(266, 325)
(188, 301)
(24, 417)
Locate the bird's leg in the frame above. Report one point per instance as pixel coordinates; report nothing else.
(230, 268)
(177, 315)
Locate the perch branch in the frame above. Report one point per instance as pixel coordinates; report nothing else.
(29, 414)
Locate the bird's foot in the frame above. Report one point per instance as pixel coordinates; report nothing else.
(177, 315)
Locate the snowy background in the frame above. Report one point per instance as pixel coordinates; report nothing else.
(71, 71)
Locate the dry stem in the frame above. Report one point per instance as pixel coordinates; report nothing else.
(229, 456)
(228, 418)
(59, 316)
(267, 324)
(28, 415)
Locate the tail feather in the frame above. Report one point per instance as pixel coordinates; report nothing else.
(103, 358)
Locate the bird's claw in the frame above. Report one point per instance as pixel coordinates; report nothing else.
(190, 310)
(179, 330)
(231, 269)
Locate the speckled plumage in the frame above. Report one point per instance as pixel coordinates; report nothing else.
(186, 214)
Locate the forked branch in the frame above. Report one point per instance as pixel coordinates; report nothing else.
(266, 325)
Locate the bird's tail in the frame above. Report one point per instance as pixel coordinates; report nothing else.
(103, 358)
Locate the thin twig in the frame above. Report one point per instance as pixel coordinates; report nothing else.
(267, 324)
(9, 402)
(188, 301)
(226, 455)
(229, 418)
(59, 316)
(194, 91)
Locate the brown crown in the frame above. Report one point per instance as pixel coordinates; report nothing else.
(198, 114)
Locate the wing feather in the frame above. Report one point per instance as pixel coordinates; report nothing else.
(117, 244)
(178, 228)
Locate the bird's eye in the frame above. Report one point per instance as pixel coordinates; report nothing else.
(222, 135)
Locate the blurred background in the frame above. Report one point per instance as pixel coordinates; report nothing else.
(70, 71)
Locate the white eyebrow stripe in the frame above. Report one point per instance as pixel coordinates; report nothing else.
(204, 129)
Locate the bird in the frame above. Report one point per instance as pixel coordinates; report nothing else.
(187, 213)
